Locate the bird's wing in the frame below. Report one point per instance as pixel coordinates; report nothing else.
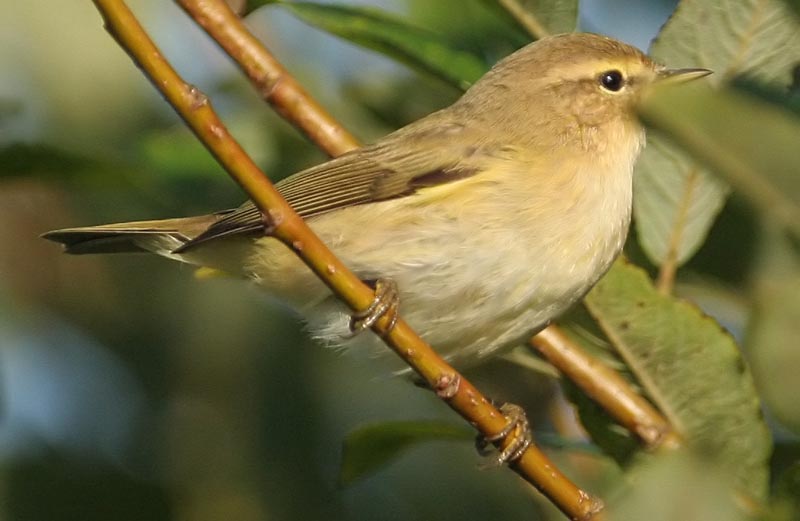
(374, 173)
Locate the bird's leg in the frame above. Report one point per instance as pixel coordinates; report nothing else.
(386, 303)
(518, 427)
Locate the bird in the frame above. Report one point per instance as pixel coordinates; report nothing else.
(490, 217)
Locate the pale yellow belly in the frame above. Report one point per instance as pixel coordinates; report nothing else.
(473, 279)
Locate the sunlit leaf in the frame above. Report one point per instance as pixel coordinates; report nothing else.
(749, 142)
(369, 448)
(673, 224)
(690, 368)
(676, 201)
(418, 48)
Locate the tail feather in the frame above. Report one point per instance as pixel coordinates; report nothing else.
(161, 237)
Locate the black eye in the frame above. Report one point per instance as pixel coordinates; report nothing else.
(612, 80)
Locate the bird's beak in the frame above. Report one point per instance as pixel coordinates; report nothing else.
(673, 76)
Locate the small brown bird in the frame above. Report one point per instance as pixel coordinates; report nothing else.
(492, 216)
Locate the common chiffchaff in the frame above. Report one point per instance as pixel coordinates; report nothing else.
(493, 215)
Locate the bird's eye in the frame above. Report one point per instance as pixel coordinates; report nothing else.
(612, 80)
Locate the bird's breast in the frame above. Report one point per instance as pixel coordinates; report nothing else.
(480, 263)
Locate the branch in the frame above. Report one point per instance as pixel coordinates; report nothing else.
(195, 109)
(269, 77)
(607, 388)
(525, 18)
(616, 394)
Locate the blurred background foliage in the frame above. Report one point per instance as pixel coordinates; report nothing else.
(131, 390)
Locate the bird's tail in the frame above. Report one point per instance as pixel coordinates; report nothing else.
(162, 237)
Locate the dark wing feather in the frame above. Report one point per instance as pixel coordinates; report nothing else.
(373, 173)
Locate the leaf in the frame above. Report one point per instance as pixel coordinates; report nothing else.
(673, 224)
(690, 368)
(749, 142)
(419, 49)
(676, 486)
(773, 332)
(614, 440)
(250, 6)
(542, 17)
(794, 4)
(786, 99)
(787, 494)
(676, 202)
(371, 447)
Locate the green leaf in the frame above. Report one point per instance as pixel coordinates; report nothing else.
(419, 49)
(676, 486)
(252, 5)
(542, 17)
(749, 142)
(604, 432)
(773, 333)
(786, 502)
(690, 368)
(794, 4)
(786, 99)
(372, 447)
(676, 201)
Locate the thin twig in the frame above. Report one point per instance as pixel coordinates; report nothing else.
(525, 18)
(288, 227)
(269, 77)
(607, 388)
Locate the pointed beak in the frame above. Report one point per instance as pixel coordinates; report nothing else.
(673, 76)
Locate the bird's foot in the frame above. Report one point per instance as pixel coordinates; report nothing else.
(518, 427)
(386, 303)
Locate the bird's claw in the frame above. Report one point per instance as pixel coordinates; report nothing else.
(518, 427)
(385, 303)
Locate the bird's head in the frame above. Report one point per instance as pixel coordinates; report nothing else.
(576, 86)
